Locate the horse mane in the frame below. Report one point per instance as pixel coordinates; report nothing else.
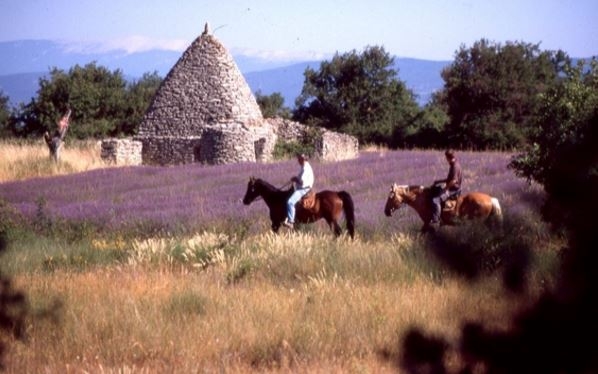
(417, 188)
(267, 185)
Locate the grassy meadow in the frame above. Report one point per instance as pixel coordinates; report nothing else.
(162, 269)
(23, 160)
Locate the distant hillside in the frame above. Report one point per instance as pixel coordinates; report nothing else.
(26, 56)
(24, 62)
(288, 81)
(20, 88)
(421, 76)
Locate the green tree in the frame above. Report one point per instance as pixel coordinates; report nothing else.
(428, 127)
(562, 156)
(490, 92)
(138, 96)
(272, 105)
(95, 95)
(5, 115)
(102, 102)
(359, 94)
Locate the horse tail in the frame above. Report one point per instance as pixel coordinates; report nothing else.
(496, 210)
(349, 210)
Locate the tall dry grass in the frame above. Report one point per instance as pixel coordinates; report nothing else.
(303, 303)
(26, 159)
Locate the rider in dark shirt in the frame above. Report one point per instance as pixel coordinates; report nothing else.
(452, 185)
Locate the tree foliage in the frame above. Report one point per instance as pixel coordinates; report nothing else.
(490, 92)
(272, 105)
(5, 115)
(428, 127)
(138, 96)
(101, 101)
(562, 155)
(359, 94)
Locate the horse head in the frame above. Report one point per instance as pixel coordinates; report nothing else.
(395, 199)
(252, 191)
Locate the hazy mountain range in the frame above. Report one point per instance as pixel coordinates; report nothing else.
(24, 62)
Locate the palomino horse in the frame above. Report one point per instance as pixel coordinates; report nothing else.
(328, 205)
(474, 205)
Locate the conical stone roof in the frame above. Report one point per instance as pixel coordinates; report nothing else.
(204, 89)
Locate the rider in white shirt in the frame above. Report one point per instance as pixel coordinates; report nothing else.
(303, 182)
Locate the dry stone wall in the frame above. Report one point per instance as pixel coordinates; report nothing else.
(332, 146)
(328, 145)
(170, 150)
(121, 151)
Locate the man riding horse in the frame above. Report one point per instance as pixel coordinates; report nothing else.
(451, 188)
(303, 183)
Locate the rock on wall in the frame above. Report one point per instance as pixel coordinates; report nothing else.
(332, 146)
(121, 151)
(287, 130)
(226, 145)
(231, 144)
(329, 145)
(264, 139)
(168, 150)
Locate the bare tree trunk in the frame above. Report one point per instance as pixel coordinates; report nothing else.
(55, 141)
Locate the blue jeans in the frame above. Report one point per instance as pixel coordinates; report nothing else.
(437, 203)
(295, 197)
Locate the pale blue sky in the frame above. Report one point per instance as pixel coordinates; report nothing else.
(430, 29)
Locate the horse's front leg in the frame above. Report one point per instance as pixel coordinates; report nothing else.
(275, 227)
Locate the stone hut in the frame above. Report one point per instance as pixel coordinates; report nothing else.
(203, 95)
(204, 112)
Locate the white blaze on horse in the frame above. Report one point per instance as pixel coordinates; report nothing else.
(474, 205)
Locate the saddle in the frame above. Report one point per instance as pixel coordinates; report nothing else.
(451, 203)
(308, 201)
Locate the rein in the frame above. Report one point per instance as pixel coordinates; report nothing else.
(285, 185)
(259, 197)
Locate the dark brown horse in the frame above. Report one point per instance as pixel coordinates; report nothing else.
(474, 205)
(328, 205)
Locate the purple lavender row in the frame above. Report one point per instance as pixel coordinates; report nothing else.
(195, 196)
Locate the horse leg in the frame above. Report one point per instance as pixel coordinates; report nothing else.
(334, 226)
(337, 229)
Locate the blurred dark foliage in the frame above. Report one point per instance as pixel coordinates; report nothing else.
(555, 334)
(13, 308)
(423, 354)
(473, 251)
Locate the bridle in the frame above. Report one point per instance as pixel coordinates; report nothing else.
(259, 197)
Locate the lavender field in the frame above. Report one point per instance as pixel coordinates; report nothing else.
(203, 286)
(191, 198)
